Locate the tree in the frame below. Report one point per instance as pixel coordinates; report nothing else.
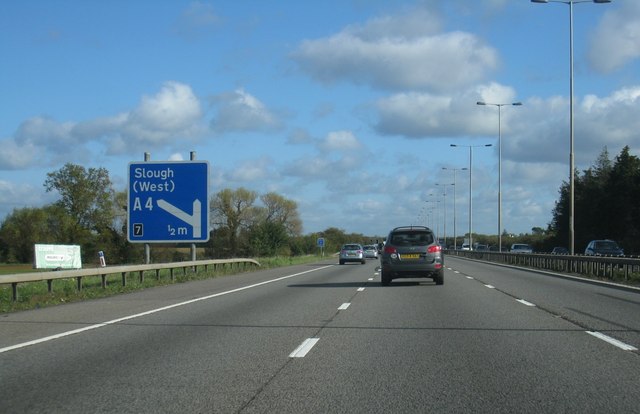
(621, 211)
(282, 211)
(269, 238)
(28, 226)
(87, 195)
(604, 203)
(231, 212)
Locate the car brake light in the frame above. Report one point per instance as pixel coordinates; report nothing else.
(434, 249)
(390, 250)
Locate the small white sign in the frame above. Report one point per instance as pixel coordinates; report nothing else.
(57, 256)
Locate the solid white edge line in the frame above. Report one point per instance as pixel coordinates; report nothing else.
(612, 341)
(304, 348)
(524, 302)
(344, 306)
(175, 305)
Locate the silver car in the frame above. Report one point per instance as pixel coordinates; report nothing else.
(521, 248)
(370, 252)
(352, 252)
(412, 251)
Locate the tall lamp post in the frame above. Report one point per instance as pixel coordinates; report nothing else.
(455, 234)
(570, 3)
(471, 187)
(499, 105)
(437, 217)
(444, 209)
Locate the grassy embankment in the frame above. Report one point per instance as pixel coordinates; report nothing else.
(34, 295)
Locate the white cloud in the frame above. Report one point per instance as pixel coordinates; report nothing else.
(197, 19)
(398, 53)
(14, 156)
(173, 114)
(239, 111)
(252, 170)
(616, 41)
(417, 115)
(340, 141)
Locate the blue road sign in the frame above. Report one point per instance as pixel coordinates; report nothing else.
(320, 241)
(168, 202)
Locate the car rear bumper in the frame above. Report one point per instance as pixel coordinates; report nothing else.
(396, 270)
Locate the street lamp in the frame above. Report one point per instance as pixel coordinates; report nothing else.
(444, 208)
(436, 221)
(455, 234)
(471, 187)
(499, 105)
(571, 156)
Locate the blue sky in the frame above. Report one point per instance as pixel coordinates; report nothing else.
(348, 107)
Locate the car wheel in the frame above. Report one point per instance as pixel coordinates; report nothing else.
(439, 278)
(341, 262)
(385, 279)
(363, 261)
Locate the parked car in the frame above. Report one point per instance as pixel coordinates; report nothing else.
(352, 252)
(412, 251)
(370, 252)
(603, 248)
(521, 248)
(465, 246)
(560, 250)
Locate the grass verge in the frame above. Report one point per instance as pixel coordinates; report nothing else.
(34, 295)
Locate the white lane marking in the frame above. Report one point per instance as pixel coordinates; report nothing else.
(524, 302)
(469, 277)
(490, 287)
(304, 348)
(370, 279)
(613, 341)
(360, 289)
(344, 306)
(175, 305)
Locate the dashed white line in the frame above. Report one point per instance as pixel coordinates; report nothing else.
(490, 286)
(344, 306)
(150, 312)
(524, 302)
(360, 289)
(304, 348)
(613, 341)
(469, 277)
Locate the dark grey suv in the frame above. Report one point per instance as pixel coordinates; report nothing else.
(411, 251)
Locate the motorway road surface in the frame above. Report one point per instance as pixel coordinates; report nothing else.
(326, 338)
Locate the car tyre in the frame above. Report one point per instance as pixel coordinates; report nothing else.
(385, 279)
(341, 262)
(363, 261)
(439, 278)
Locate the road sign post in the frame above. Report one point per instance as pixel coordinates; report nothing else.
(320, 243)
(168, 202)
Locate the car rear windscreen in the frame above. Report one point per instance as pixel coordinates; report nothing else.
(412, 238)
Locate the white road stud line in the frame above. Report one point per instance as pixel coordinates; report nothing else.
(304, 348)
(613, 341)
(175, 305)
